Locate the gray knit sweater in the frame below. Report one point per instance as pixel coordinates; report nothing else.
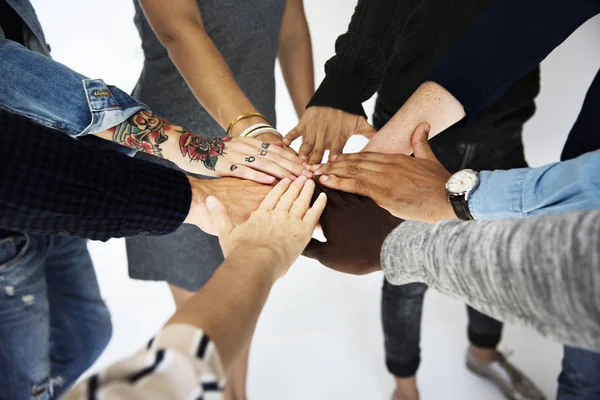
(541, 272)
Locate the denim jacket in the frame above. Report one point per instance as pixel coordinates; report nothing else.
(35, 86)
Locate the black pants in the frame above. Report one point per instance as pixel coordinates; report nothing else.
(402, 305)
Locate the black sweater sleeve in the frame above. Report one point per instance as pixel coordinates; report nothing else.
(509, 40)
(53, 184)
(362, 54)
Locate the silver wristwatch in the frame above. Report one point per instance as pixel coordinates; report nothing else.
(459, 187)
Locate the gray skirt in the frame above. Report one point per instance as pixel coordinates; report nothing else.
(189, 257)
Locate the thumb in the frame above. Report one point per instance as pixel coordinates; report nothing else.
(314, 250)
(220, 217)
(420, 144)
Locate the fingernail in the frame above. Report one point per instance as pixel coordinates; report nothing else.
(293, 178)
(324, 178)
(302, 178)
(286, 180)
(333, 157)
(270, 179)
(315, 167)
(304, 158)
(317, 173)
(211, 202)
(307, 174)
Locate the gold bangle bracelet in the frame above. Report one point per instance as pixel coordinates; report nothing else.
(244, 116)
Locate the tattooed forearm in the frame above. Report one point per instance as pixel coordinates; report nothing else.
(204, 149)
(142, 131)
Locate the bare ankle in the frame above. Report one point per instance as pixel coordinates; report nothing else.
(406, 388)
(485, 355)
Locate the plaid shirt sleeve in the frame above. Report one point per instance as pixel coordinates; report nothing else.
(53, 184)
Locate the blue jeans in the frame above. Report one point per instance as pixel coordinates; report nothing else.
(53, 322)
(580, 376)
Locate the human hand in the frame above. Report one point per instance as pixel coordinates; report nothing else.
(282, 225)
(408, 187)
(326, 128)
(240, 197)
(276, 140)
(355, 228)
(246, 158)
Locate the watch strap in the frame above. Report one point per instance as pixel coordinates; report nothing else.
(461, 207)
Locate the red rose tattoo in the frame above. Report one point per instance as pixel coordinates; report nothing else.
(204, 149)
(142, 131)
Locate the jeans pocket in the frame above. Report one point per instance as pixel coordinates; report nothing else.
(12, 249)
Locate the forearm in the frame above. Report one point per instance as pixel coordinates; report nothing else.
(539, 272)
(150, 133)
(295, 56)
(228, 306)
(210, 78)
(180, 29)
(430, 103)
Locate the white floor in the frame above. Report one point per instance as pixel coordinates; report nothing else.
(319, 336)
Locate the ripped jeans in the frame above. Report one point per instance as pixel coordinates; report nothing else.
(53, 322)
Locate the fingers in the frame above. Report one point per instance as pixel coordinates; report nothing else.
(369, 156)
(337, 147)
(308, 143)
(292, 135)
(290, 195)
(420, 143)
(302, 203)
(275, 148)
(355, 186)
(244, 172)
(272, 198)
(352, 169)
(283, 161)
(313, 214)
(316, 155)
(220, 216)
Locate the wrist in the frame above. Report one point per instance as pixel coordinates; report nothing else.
(244, 124)
(259, 259)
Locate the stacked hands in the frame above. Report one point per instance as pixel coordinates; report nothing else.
(367, 194)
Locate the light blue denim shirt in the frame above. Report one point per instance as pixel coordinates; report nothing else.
(525, 192)
(50, 93)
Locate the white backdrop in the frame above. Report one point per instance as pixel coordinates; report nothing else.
(319, 336)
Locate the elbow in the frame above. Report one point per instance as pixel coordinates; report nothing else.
(172, 36)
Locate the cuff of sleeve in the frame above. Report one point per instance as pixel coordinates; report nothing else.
(499, 195)
(403, 252)
(340, 92)
(109, 106)
(160, 202)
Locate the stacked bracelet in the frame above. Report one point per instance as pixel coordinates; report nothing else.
(259, 129)
(244, 116)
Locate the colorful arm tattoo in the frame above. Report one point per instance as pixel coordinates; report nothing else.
(145, 132)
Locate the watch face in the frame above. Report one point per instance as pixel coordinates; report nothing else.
(462, 182)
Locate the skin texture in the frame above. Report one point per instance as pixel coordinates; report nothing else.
(247, 158)
(431, 104)
(326, 128)
(355, 228)
(258, 252)
(408, 187)
(240, 197)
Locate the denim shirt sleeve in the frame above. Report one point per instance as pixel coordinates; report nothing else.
(53, 95)
(525, 192)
